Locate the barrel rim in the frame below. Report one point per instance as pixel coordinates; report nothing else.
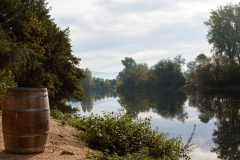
(25, 89)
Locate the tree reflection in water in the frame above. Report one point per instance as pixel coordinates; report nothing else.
(95, 95)
(170, 105)
(167, 104)
(64, 108)
(225, 107)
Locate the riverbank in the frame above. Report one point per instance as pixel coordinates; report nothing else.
(60, 139)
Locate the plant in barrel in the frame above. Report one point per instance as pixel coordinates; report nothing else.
(38, 55)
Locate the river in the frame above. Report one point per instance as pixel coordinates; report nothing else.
(216, 115)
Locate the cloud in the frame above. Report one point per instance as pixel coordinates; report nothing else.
(106, 31)
(200, 153)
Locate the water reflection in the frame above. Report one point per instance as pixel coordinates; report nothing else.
(222, 108)
(167, 104)
(225, 107)
(170, 105)
(227, 139)
(65, 108)
(134, 103)
(95, 95)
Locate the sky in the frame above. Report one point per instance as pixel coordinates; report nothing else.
(103, 32)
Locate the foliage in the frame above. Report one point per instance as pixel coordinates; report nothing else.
(167, 73)
(138, 77)
(134, 78)
(223, 67)
(125, 77)
(6, 80)
(129, 63)
(190, 72)
(217, 70)
(67, 118)
(224, 30)
(15, 56)
(37, 51)
(141, 155)
(118, 135)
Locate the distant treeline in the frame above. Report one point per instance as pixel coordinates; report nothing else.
(166, 74)
(221, 70)
(91, 83)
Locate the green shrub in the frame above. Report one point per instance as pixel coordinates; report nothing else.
(141, 155)
(67, 118)
(119, 136)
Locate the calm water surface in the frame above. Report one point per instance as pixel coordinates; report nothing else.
(216, 115)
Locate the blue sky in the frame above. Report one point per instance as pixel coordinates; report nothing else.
(103, 32)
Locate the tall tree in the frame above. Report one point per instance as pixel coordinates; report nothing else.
(28, 23)
(88, 80)
(224, 30)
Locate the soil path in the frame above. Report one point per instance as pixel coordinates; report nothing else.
(60, 138)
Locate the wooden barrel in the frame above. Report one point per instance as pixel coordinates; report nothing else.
(25, 120)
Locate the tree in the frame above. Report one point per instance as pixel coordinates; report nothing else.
(88, 80)
(129, 62)
(190, 71)
(164, 74)
(201, 59)
(167, 73)
(126, 77)
(191, 66)
(178, 63)
(6, 80)
(216, 70)
(224, 30)
(16, 56)
(48, 61)
(140, 75)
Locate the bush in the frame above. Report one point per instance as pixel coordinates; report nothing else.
(67, 118)
(119, 136)
(119, 133)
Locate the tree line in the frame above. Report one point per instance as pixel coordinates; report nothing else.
(139, 77)
(92, 83)
(221, 70)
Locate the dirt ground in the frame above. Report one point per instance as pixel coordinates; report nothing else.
(60, 138)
